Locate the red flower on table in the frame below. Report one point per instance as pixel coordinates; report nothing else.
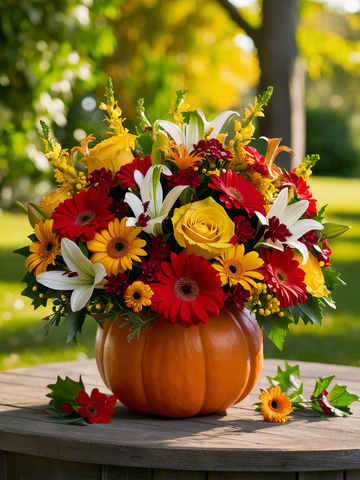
(97, 408)
(236, 192)
(187, 290)
(284, 277)
(83, 215)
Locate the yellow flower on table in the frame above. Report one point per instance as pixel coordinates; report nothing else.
(203, 228)
(314, 277)
(117, 246)
(236, 266)
(275, 405)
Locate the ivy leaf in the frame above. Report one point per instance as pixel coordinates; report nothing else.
(65, 391)
(339, 397)
(289, 382)
(322, 384)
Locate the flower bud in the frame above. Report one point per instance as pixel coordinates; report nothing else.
(332, 230)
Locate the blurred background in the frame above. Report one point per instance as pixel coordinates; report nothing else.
(55, 58)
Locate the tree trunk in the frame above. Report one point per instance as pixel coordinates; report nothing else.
(281, 68)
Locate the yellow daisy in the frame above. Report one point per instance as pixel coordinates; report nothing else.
(117, 247)
(45, 249)
(274, 405)
(138, 295)
(236, 267)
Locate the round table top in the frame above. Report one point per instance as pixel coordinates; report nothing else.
(235, 440)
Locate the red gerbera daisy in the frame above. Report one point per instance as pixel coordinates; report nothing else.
(187, 291)
(257, 161)
(301, 191)
(126, 173)
(82, 215)
(284, 278)
(237, 192)
(97, 408)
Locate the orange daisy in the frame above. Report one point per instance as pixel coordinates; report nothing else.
(274, 405)
(45, 249)
(117, 247)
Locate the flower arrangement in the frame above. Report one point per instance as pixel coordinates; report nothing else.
(174, 222)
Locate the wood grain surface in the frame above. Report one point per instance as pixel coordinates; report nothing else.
(135, 446)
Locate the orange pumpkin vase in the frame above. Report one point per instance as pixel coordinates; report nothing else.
(181, 372)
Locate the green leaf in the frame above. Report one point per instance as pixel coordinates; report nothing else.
(321, 384)
(289, 382)
(109, 91)
(340, 397)
(24, 251)
(74, 323)
(22, 207)
(332, 278)
(65, 391)
(319, 217)
(311, 310)
(275, 327)
(84, 249)
(144, 143)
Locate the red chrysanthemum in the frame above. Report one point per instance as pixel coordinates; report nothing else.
(102, 179)
(213, 148)
(126, 172)
(116, 284)
(238, 294)
(284, 277)
(83, 215)
(237, 192)
(187, 176)
(187, 290)
(301, 191)
(243, 230)
(97, 408)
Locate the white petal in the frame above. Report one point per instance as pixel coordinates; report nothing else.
(293, 212)
(261, 217)
(131, 222)
(301, 247)
(303, 226)
(171, 198)
(138, 177)
(58, 281)
(80, 297)
(135, 204)
(99, 272)
(76, 260)
(173, 130)
(219, 121)
(269, 243)
(279, 205)
(154, 227)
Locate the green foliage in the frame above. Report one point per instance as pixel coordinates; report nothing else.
(335, 402)
(65, 391)
(328, 134)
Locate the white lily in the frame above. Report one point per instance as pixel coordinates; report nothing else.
(289, 215)
(194, 131)
(89, 275)
(151, 191)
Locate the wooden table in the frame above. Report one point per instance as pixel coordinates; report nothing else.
(227, 446)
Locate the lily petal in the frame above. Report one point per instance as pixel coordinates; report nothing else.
(301, 247)
(219, 121)
(173, 130)
(56, 280)
(293, 212)
(135, 204)
(171, 198)
(80, 297)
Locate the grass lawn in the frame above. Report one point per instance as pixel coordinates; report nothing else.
(22, 338)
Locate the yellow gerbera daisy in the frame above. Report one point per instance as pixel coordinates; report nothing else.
(45, 249)
(138, 295)
(117, 246)
(236, 267)
(274, 405)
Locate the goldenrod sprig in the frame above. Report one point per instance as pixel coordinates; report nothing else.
(46, 132)
(256, 110)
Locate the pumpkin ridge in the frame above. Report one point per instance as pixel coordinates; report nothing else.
(147, 336)
(206, 368)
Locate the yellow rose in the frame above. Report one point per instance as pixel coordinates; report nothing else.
(203, 228)
(52, 199)
(112, 153)
(314, 278)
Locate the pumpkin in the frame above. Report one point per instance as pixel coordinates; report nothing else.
(180, 372)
